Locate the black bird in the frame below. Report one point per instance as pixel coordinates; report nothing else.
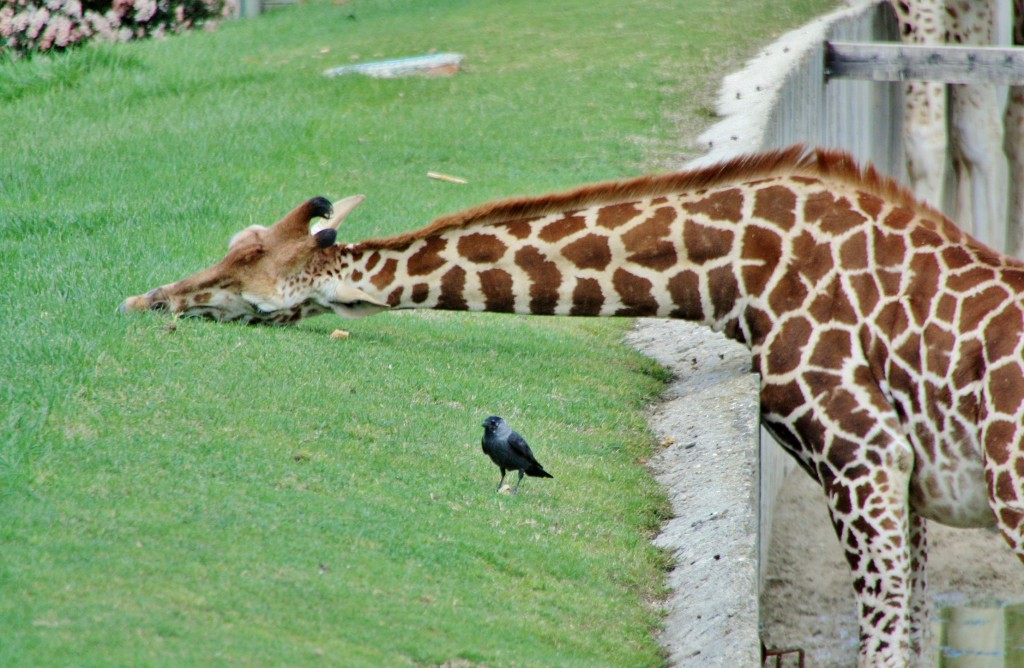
(509, 451)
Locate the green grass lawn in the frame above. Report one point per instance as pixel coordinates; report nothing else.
(214, 494)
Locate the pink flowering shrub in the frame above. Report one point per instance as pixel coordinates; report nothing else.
(28, 26)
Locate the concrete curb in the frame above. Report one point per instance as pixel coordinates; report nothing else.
(709, 423)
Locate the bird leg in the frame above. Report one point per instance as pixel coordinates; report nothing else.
(519, 482)
(501, 481)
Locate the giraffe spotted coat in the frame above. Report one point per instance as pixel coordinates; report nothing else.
(890, 343)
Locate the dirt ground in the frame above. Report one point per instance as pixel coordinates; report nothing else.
(808, 599)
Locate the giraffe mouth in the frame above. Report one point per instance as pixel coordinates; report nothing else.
(156, 303)
(356, 308)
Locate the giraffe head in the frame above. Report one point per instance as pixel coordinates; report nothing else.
(270, 275)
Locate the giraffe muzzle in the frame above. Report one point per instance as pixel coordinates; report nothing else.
(151, 301)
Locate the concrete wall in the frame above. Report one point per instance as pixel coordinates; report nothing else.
(707, 422)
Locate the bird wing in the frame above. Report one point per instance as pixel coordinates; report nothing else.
(519, 446)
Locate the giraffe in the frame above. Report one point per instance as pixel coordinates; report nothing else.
(975, 130)
(889, 342)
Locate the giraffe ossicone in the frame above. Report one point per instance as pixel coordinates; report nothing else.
(889, 342)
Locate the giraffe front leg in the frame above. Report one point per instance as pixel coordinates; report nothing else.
(870, 517)
(1004, 476)
(920, 604)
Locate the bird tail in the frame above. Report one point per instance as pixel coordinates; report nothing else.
(539, 472)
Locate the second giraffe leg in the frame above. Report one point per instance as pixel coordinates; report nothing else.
(924, 103)
(925, 140)
(977, 133)
(977, 141)
(1013, 146)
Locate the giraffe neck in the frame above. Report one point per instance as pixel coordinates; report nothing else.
(671, 255)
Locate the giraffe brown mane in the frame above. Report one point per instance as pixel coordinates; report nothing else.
(794, 160)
